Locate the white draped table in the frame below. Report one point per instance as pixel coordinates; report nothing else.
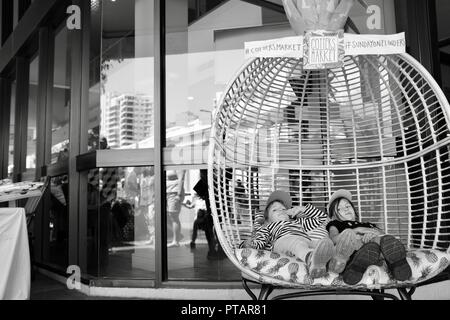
(14, 255)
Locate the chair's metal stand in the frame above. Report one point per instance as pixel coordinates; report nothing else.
(376, 294)
(266, 289)
(406, 294)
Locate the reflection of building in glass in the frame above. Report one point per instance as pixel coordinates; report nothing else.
(31, 148)
(126, 119)
(193, 134)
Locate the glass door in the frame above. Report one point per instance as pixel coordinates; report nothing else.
(31, 127)
(443, 30)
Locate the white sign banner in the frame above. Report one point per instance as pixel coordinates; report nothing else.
(289, 47)
(323, 49)
(357, 44)
(354, 44)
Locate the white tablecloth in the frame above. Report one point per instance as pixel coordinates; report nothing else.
(14, 255)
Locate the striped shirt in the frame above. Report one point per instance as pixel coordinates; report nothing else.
(309, 224)
(319, 233)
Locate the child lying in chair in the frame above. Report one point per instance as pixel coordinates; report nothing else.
(285, 230)
(363, 239)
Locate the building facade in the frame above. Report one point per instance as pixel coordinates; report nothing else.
(114, 101)
(126, 119)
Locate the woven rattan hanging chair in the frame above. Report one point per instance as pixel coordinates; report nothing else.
(377, 126)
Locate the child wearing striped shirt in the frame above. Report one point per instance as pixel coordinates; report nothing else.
(286, 230)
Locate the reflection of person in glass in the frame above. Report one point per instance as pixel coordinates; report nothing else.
(241, 200)
(132, 187)
(59, 211)
(175, 196)
(203, 220)
(108, 178)
(147, 200)
(93, 138)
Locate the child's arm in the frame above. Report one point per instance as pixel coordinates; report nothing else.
(309, 217)
(333, 233)
(259, 239)
(365, 230)
(367, 234)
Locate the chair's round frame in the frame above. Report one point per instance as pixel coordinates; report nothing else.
(269, 284)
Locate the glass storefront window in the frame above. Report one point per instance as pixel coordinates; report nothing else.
(11, 131)
(120, 231)
(203, 52)
(121, 88)
(121, 226)
(31, 130)
(93, 111)
(204, 49)
(193, 250)
(61, 98)
(443, 30)
(58, 223)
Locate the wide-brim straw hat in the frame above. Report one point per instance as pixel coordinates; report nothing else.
(341, 193)
(280, 196)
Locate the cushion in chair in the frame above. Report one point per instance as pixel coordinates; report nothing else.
(290, 271)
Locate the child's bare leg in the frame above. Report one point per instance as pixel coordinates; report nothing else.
(319, 257)
(347, 243)
(316, 258)
(300, 248)
(292, 244)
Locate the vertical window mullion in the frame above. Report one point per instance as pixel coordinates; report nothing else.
(5, 103)
(41, 101)
(159, 134)
(83, 136)
(46, 46)
(21, 117)
(41, 112)
(49, 98)
(75, 38)
(6, 19)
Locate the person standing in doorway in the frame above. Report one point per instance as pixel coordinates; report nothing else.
(175, 196)
(147, 200)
